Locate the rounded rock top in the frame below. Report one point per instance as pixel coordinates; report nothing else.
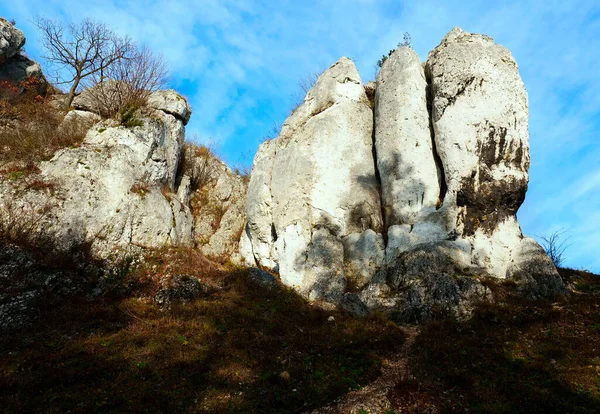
(171, 102)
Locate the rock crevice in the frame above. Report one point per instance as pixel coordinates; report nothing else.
(402, 205)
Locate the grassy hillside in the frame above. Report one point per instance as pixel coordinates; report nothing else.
(241, 347)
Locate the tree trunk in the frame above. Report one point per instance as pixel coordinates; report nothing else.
(71, 94)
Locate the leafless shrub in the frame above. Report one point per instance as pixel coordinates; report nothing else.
(305, 84)
(22, 225)
(555, 244)
(243, 167)
(196, 163)
(273, 132)
(128, 82)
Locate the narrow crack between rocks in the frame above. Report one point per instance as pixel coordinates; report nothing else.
(436, 156)
(173, 114)
(378, 176)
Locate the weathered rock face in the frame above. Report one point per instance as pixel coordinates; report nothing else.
(315, 185)
(15, 67)
(170, 102)
(120, 184)
(217, 198)
(117, 190)
(429, 279)
(405, 157)
(480, 114)
(452, 154)
(124, 187)
(11, 40)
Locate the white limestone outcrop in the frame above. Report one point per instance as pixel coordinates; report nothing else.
(451, 170)
(313, 186)
(11, 40)
(403, 140)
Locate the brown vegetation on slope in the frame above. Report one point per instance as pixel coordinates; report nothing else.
(241, 347)
(238, 348)
(31, 127)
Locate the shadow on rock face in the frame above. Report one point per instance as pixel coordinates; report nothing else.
(535, 274)
(430, 279)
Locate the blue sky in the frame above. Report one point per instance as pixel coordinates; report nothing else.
(239, 63)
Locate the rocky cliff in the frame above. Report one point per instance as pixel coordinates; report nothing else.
(131, 183)
(399, 195)
(408, 204)
(123, 188)
(14, 65)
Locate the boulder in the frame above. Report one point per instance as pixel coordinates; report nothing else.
(534, 272)
(20, 68)
(15, 67)
(101, 98)
(314, 185)
(83, 117)
(11, 40)
(180, 288)
(171, 102)
(428, 280)
(262, 278)
(353, 305)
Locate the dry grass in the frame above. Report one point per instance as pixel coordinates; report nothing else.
(196, 163)
(513, 356)
(241, 348)
(22, 225)
(31, 129)
(244, 348)
(140, 189)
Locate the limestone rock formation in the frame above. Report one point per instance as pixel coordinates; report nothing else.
(314, 186)
(14, 66)
(170, 102)
(403, 140)
(217, 198)
(446, 157)
(480, 117)
(11, 40)
(117, 190)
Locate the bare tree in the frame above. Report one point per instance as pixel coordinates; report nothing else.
(84, 49)
(555, 245)
(128, 82)
(305, 84)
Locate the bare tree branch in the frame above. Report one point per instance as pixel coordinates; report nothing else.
(555, 245)
(83, 49)
(127, 82)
